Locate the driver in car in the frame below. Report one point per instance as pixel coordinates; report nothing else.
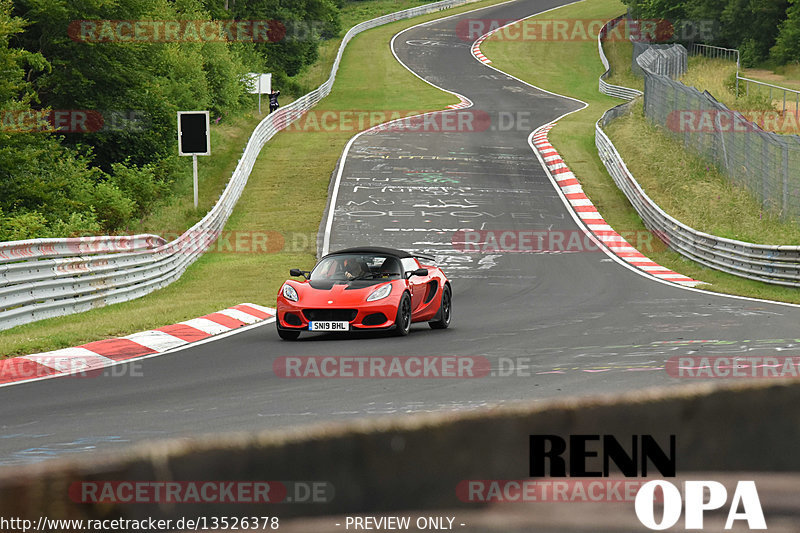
(354, 268)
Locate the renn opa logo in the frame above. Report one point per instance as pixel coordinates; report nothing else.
(586, 460)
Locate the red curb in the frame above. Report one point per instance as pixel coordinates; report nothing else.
(118, 349)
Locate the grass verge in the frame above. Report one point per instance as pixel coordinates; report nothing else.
(757, 103)
(691, 190)
(285, 195)
(620, 57)
(541, 63)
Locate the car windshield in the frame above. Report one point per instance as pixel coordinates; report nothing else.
(351, 267)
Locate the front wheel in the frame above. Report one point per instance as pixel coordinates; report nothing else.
(445, 311)
(288, 334)
(403, 320)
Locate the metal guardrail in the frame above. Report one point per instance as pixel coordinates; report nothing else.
(778, 265)
(45, 278)
(716, 52)
(50, 248)
(617, 91)
(770, 88)
(775, 264)
(732, 54)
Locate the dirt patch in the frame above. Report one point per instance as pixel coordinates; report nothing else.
(769, 76)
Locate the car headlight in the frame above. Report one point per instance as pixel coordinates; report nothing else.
(380, 293)
(289, 293)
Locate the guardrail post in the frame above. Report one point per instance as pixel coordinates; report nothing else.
(785, 207)
(764, 164)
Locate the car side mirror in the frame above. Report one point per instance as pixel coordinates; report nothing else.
(418, 272)
(297, 272)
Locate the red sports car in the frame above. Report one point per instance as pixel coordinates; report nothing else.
(368, 288)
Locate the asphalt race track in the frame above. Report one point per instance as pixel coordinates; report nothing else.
(584, 323)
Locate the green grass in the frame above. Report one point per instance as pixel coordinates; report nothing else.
(355, 11)
(717, 76)
(691, 190)
(712, 75)
(620, 56)
(574, 136)
(286, 194)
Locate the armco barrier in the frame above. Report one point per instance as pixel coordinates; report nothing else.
(617, 91)
(778, 265)
(52, 248)
(775, 264)
(44, 278)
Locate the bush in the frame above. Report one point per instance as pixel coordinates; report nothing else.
(139, 184)
(77, 225)
(751, 53)
(224, 71)
(21, 226)
(114, 208)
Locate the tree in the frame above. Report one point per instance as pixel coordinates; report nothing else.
(658, 9)
(787, 45)
(150, 80)
(300, 26)
(750, 25)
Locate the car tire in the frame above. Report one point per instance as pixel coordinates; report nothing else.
(445, 310)
(288, 334)
(403, 319)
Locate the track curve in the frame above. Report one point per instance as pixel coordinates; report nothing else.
(582, 323)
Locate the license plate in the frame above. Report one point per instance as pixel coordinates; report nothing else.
(329, 326)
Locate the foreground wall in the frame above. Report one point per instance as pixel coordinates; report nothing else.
(417, 462)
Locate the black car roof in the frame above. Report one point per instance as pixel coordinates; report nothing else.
(378, 250)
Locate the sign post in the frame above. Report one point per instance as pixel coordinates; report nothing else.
(259, 84)
(194, 178)
(194, 139)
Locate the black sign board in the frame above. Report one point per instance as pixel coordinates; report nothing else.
(193, 134)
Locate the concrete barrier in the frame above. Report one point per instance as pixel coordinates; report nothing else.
(416, 462)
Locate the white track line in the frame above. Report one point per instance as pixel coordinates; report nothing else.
(326, 240)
